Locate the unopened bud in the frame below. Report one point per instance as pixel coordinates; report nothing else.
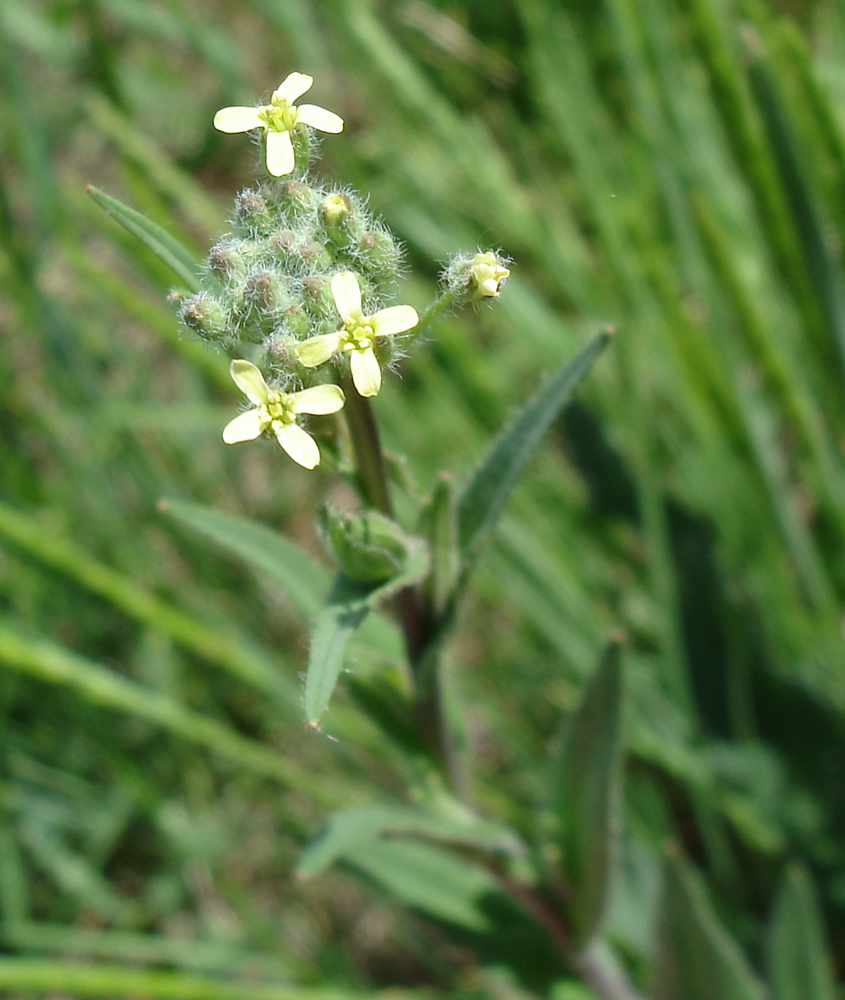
(379, 253)
(224, 262)
(251, 211)
(486, 275)
(205, 316)
(368, 546)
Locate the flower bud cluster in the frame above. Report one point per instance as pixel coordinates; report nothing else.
(268, 281)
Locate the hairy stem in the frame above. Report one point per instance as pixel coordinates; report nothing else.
(429, 708)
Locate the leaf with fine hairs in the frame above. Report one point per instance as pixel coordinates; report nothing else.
(586, 796)
(799, 963)
(696, 957)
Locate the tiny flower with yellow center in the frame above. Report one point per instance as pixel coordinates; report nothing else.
(275, 413)
(357, 335)
(278, 118)
(486, 275)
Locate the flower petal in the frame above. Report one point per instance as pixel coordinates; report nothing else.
(366, 373)
(294, 85)
(347, 296)
(325, 121)
(245, 427)
(280, 159)
(318, 399)
(316, 350)
(395, 319)
(250, 381)
(237, 119)
(301, 447)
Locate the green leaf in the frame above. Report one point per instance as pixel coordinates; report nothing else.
(301, 579)
(349, 603)
(586, 796)
(428, 879)
(696, 957)
(798, 963)
(166, 247)
(484, 496)
(350, 827)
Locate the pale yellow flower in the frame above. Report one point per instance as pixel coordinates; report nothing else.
(277, 118)
(487, 275)
(357, 335)
(275, 413)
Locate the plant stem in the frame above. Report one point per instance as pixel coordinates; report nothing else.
(429, 708)
(432, 311)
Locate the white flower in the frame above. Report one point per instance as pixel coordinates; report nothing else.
(277, 118)
(275, 412)
(486, 275)
(357, 335)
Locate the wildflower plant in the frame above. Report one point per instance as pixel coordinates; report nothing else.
(301, 294)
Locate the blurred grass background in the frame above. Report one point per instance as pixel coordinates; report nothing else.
(675, 167)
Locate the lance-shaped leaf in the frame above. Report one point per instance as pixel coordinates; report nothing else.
(300, 578)
(350, 827)
(586, 796)
(484, 496)
(696, 957)
(349, 603)
(166, 247)
(428, 879)
(798, 963)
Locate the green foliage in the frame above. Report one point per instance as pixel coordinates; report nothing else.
(673, 167)
(586, 798)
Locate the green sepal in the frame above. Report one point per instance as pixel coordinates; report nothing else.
(586, 798)
(166, 247)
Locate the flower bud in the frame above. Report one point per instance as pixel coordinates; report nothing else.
(297, 196)
(252, 212)
(368, 546)
(314, 253)
(470, 279)
(203, 314)
(262, 291)
(379, 254)
(486, 275)
(224, 261)
(317, 296)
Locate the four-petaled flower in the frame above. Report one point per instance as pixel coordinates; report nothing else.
(278, 118)
(486, 275)
(357, 335)
(276, 411)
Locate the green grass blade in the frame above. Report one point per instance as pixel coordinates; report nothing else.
(198, 636)
(166, 247)
(48, 662)
(119, 981)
